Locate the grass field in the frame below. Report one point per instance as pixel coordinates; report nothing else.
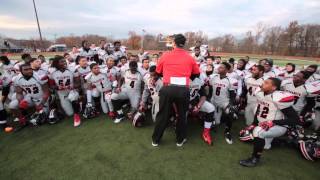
(100, 149)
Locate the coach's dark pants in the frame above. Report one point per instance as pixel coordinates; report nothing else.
(180, 97)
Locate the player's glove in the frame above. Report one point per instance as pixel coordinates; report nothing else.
(266, 125)
(23, 104)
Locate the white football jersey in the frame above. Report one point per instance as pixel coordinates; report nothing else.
(118, 54)
(83, 72)
(252, 86)
(41, 73)
(220, 90)
(31, 86)
(300, 93)
(132, 81)
(112, 73)
(269, 106)
(270, 74)
(63, 80)
(314, 77)
(151, 89)
(100, 81)
(195, 87)
(88, 54)
(314, 91)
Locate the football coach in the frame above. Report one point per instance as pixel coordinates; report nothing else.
(176, 67)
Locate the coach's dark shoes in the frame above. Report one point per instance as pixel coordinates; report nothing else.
(250, 162)
(180, 144)
(154, 144)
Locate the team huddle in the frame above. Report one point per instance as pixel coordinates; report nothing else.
(278, 102)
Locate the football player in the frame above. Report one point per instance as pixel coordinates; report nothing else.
(274, 111)
(151, 89)
(223, 98)
(67, 83)
(129, 88)
(199, 103)
(100, 86)
(30, 92)
(251, 85)
(313, 70)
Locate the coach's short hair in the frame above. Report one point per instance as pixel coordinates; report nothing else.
(179, 40)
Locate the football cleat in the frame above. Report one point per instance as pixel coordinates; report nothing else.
(228, 137)
(206, 136)
(180, 144)
(112, 114)
(76, 120)
(119, 118)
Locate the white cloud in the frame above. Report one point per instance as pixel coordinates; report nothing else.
(214, 17)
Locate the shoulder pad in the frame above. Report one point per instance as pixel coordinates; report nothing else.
(313, 88)
(282, 97)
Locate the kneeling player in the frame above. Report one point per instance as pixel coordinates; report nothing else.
(199, 103)
(30, 92)
(67, 84)
(131, 90)
(151, 89)
(99, 86)
(274, 112)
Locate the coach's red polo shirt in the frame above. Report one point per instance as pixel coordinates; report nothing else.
(177, 67)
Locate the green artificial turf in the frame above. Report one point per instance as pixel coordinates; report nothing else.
(100, 149)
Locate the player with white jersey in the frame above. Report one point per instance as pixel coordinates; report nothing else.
(8, 71)
(37, 69)
(86, 51)
(129, 88)
(144, 68)
(268, 70)
(303, 103)
(83, 69)
(223, 96)
(197, 55)
(313, 70)
(151, 89)
(314, 90)
(112, 71)
(274, 112)
(199, 103)
(208, 62)
(238, 75)
(216, 64)
(289, 71)
(100, 86)
(67, 85)
(251, 85)
(203, 48)
(118, 52)
(30, 92)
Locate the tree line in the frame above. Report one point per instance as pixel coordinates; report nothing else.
(292, 40)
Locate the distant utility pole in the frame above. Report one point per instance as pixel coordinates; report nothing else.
(35, 11)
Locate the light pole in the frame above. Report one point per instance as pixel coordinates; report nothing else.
(35, 11)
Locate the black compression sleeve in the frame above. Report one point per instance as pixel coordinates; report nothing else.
(291, 117)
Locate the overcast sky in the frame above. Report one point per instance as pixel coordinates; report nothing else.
(117, 17)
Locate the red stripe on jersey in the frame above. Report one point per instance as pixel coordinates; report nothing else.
(287, 99)
(316, 92)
